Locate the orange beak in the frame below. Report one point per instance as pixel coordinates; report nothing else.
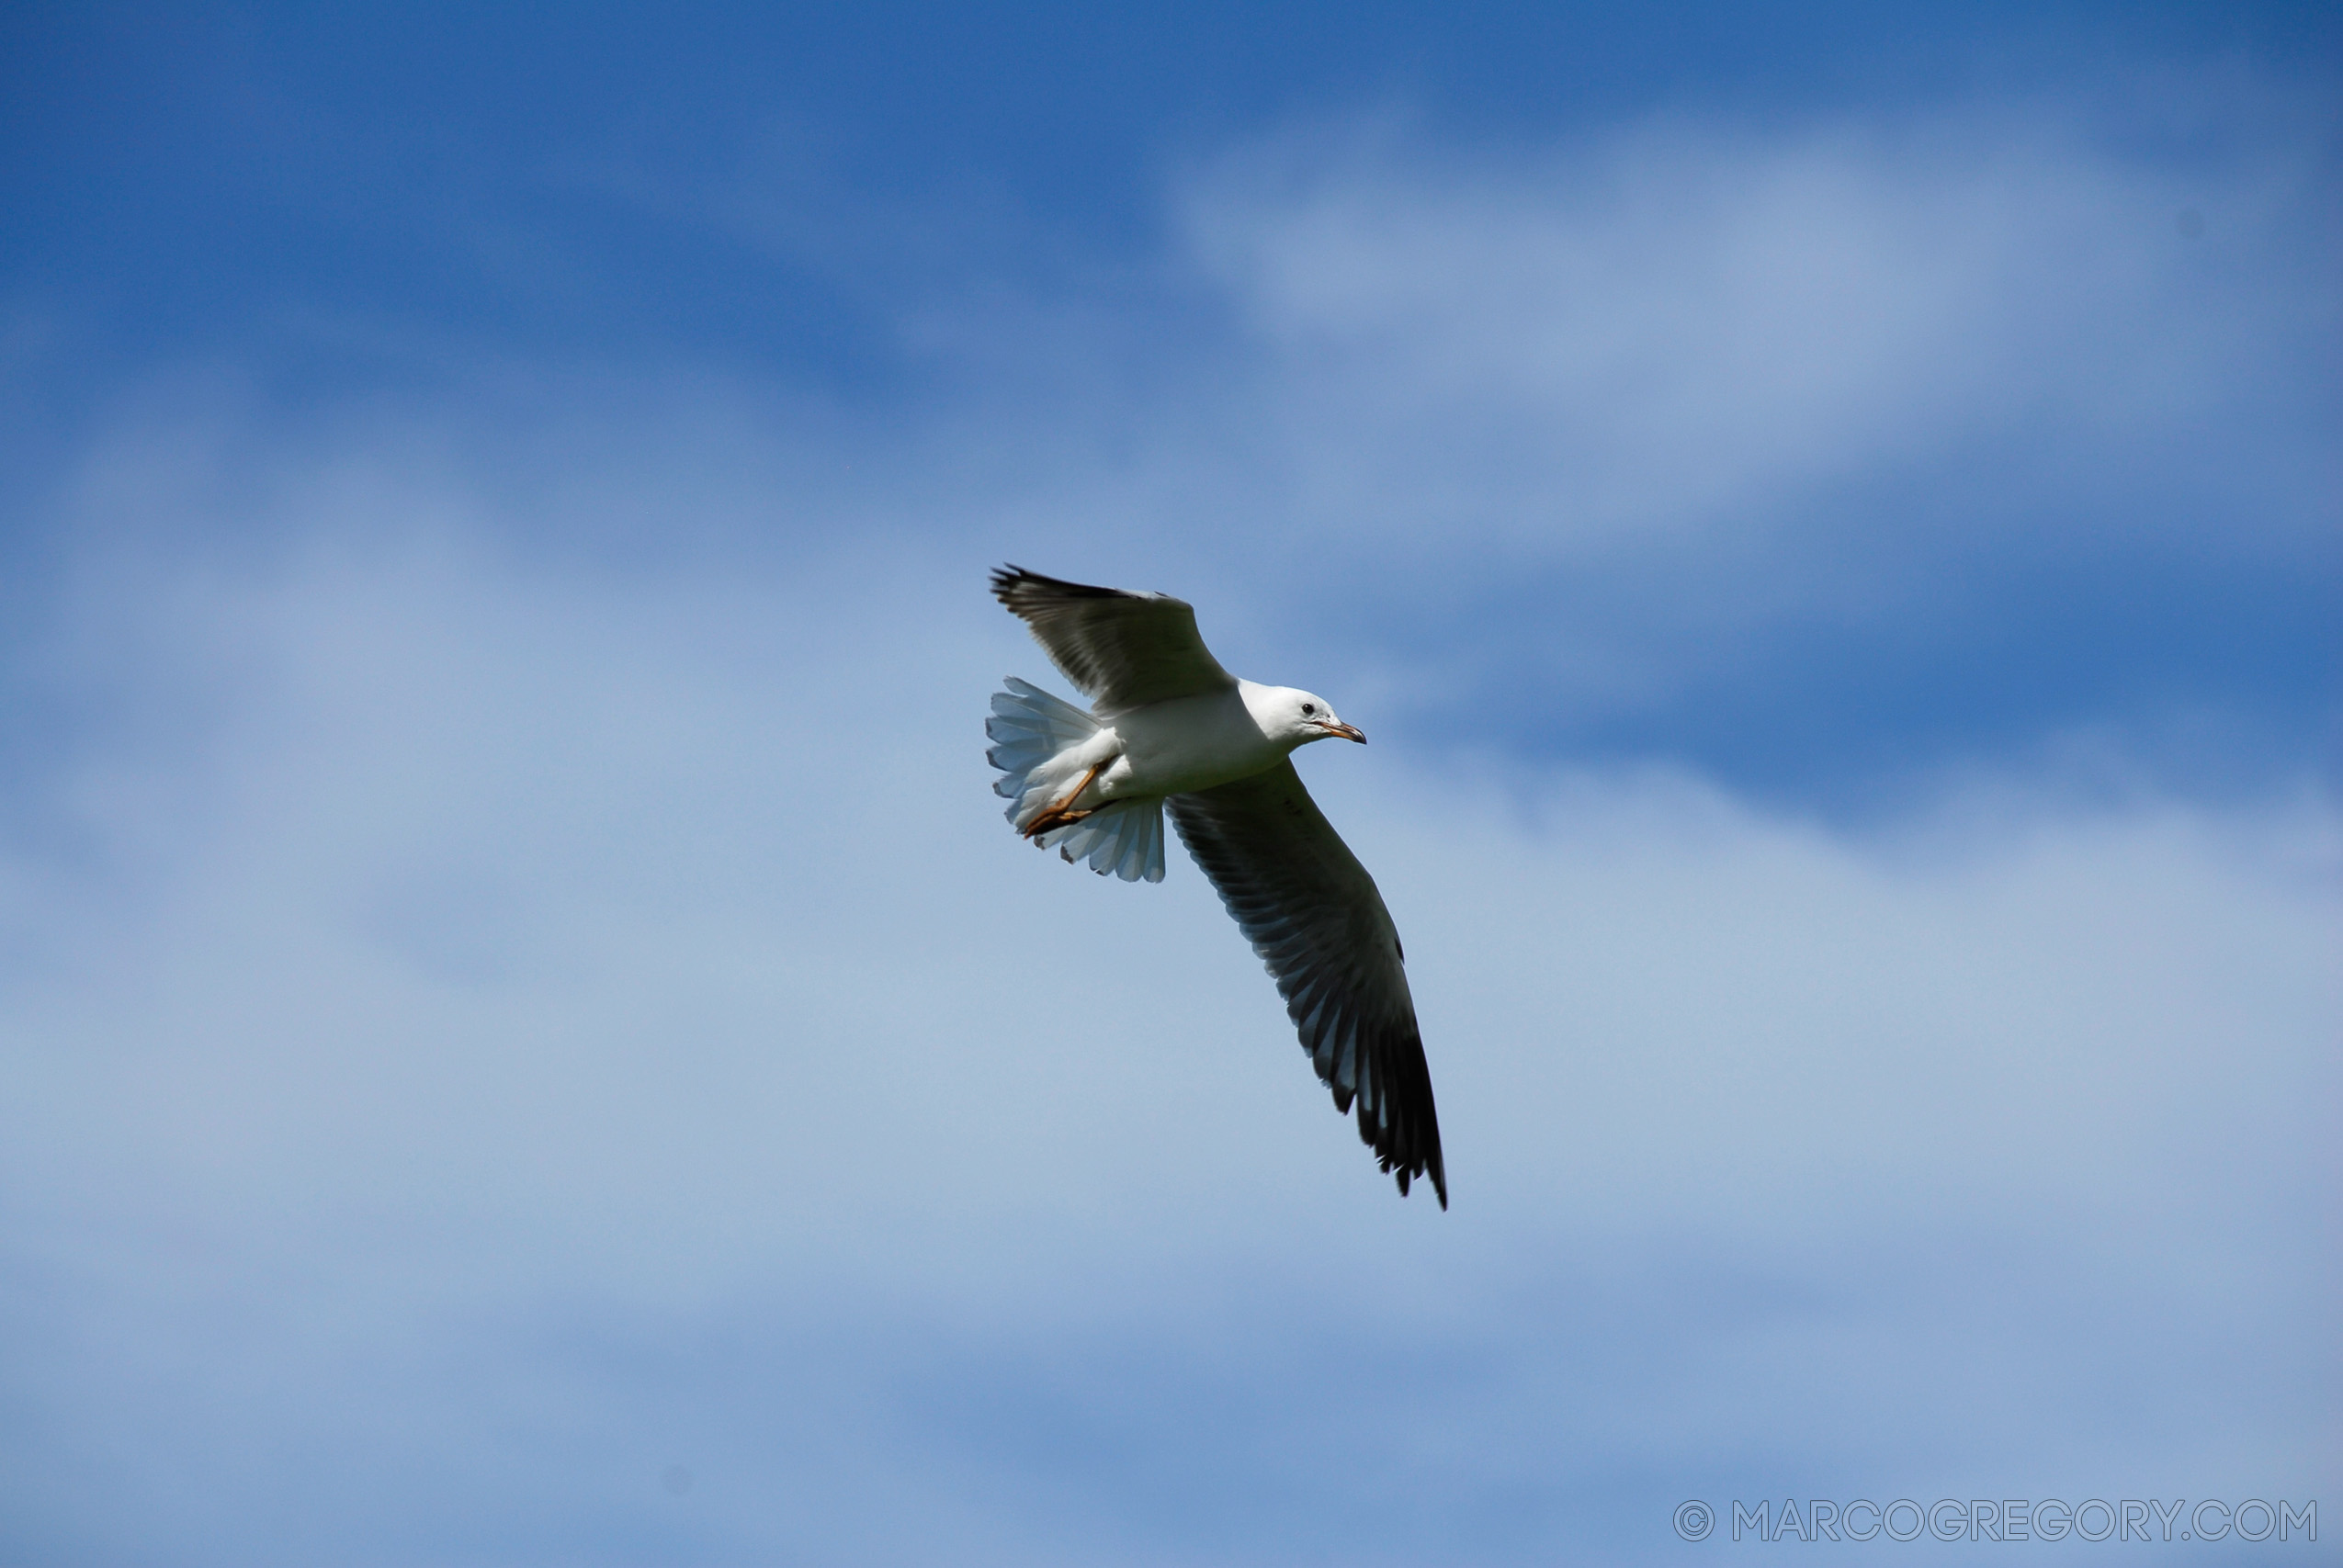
(1345, 731)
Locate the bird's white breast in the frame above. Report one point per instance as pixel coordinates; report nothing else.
(1189, 743)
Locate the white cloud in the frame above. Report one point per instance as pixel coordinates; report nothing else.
(1683, 331)
(476, 958)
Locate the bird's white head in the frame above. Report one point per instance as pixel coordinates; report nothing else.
(1296, 718)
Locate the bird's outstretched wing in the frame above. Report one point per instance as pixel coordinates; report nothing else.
(1122, 650)
(1313, 914)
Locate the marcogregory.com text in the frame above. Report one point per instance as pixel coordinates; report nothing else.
(2004, 1518)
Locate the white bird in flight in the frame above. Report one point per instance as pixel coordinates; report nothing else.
(1168, 726)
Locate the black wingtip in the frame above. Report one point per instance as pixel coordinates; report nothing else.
(1408, 1149)
(1011, 583)
(1404, 1156)
(1430, 1167)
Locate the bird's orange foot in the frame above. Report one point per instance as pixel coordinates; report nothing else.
(1062, 813)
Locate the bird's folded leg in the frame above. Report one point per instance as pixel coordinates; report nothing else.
(1061, 814)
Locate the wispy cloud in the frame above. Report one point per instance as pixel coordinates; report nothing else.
(516, 1024)
(1970, 390)
(1686, 329)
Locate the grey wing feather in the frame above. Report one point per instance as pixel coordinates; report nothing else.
(1122, 650)
(1313, 914)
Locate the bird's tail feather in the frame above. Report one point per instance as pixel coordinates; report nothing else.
(1124, 837)
(1032, 730)
(1035, 730)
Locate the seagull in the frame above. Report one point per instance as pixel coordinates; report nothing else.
(1169, 729)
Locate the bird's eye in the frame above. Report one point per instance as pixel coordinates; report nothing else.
(1308, 708)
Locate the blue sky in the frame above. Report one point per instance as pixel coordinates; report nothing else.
(528, 1042)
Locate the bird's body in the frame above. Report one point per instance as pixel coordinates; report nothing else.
(1182, 745)
(1170, 730)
